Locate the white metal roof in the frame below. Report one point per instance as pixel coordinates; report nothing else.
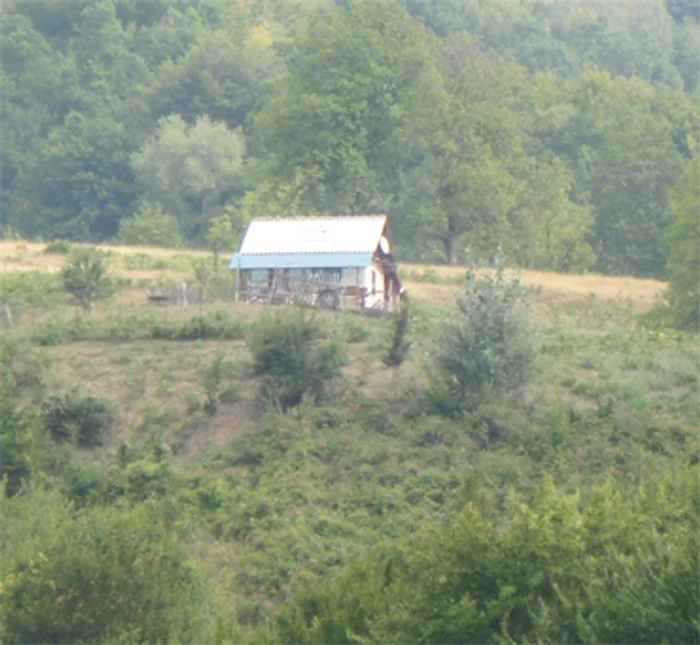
(300, 235)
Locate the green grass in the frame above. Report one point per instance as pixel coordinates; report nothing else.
(269, 500)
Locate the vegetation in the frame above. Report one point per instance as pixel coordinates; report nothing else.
(151, 226)
(220, 473)
(490, 345)
(97, 575)
(86, 279)
(290, 361)
(554, 130)
(683, 242)
(544, 570)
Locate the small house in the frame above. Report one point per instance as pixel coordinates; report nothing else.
(329, 262)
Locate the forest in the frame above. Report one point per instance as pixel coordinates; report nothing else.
(550, 129)
(512, 457)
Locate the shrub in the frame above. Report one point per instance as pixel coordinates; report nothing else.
(554, 570)
(217, 385)
(29, 289)
(289, 359)
(95, 576)
(218, 325)
(58, 247)
(490, 344)
(56, 332)
(398, 345)
(143, 261)
(86, 279)
(74, 417)
(151, 226)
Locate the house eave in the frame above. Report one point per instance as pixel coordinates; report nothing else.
(300, 261)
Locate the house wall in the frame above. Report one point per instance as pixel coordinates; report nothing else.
(371, 278)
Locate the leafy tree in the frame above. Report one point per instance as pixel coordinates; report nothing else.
(219, 77)
(190, 170)
(489, 345)
(481, 181)
(220, 236)
(682, 242)
(100, 575)
(107, 71)
(168, 39)
(687, 54)
(151, 226)
(627, 175)
(329, 137)
(86, 279)
(79, 184)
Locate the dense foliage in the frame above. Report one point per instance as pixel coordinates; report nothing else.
(552, 571)
(553, 129)
(490, 344)
(219, 475)
(103, 574)
(290, 361)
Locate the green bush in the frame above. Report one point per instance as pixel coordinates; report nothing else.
(218, 325)
(29, 289)
(143, 261)
(290, 360)
(553, 570)
(58, 247)
(86, 278)
(490, 344)
(56, 332)
(151, 226)
(95, 576)
(75, 417)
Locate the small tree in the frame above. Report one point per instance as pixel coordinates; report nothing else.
(202, 274)
(220, 236)
(151, 226)
(397, 349)
(490, 344)
(682, 243)
(86, 279)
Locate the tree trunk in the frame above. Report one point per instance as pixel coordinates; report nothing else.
(451, 251)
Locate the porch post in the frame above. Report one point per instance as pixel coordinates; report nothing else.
(237, 291)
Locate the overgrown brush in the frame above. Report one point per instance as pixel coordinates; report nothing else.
(290, 360)
(77, 418)
(218, 325)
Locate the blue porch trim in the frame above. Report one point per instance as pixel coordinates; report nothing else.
(301, 261)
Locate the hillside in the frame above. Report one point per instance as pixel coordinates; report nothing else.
(271, 504)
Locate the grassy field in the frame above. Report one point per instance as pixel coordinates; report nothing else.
(158, 263)
(273, 499)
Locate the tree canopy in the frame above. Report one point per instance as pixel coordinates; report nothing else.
(552, 130)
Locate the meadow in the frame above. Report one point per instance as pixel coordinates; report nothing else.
(272, 502)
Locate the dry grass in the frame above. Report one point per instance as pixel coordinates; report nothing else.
(561, 286)
(555, 288)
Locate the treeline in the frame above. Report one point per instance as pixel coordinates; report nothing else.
(550, 131)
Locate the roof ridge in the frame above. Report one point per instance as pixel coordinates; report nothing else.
(298, 218)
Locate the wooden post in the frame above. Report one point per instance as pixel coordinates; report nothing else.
(357, 288)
